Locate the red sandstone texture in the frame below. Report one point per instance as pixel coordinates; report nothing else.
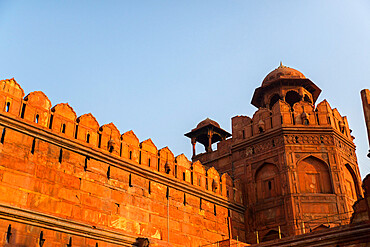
(296, 161)
(100, 186)
(67, 181)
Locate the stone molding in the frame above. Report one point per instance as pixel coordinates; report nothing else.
(62, 225)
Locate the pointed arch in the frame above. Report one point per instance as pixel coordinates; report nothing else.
(350, 183)
(111, 129)
(129, 137)
(166, 154)
(182, 160)
(88, 121)
(292, 97)
(314, 176)
(273, 99)
(149, 146)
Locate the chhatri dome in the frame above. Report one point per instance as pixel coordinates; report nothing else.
(282, 83)
(206, 122)
(282, 72)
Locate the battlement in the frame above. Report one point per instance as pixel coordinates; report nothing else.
(302, 114)
(71, 167)
(36, 109)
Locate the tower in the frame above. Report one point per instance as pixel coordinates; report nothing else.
(296, 159)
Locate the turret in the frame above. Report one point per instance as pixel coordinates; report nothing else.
(207, 132)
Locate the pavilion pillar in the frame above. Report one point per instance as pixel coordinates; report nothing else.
(193, 142)
(209, 146)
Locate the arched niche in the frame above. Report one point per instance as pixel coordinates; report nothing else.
(267, 181)
(292, 97)
(350, 183)
(313, 175)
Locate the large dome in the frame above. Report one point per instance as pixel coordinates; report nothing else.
(282, 72)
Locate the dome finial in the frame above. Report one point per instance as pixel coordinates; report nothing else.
(281, 64)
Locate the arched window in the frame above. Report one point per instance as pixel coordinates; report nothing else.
(63, 128)
(267, 182)
(37, 118)
(7, 107)
(292, 97)
(314, 177)
(23, 110)
(88, 138)
(275, 98)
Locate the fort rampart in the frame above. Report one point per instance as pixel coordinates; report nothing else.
(65, 179)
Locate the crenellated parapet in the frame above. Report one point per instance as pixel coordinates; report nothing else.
(303, 114)
(36, 110)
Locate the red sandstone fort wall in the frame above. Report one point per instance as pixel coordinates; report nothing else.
(74, 180)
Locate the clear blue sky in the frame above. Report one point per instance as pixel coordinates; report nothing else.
(160, 67)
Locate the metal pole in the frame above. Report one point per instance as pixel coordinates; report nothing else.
(168, 219)
(258, 241)
(279, 232)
